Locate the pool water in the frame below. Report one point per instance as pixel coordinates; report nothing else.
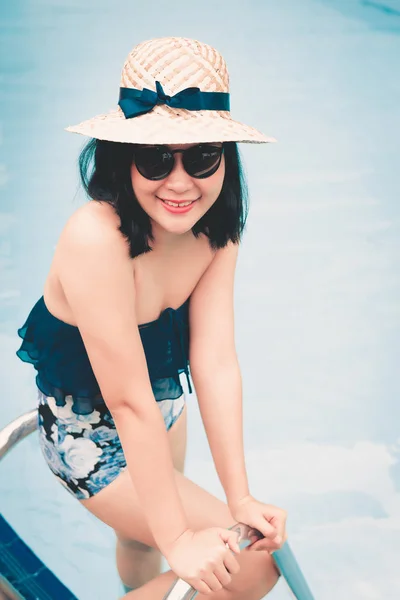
(317, 288)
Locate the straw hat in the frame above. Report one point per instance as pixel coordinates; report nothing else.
(173, 90)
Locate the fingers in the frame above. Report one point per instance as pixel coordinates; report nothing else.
(201, 586)
(275, 539)
(267, 544)
(231, 564)
(264, 544)
(222, 577)
(222, 574)
(224, 567)
(264, 528)
(273, 529)
(279, 522)
(231, 539)
(213, 582)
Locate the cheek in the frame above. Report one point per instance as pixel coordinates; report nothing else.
(141, 186)
(213, 185)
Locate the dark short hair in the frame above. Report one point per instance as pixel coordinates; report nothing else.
(105, 175)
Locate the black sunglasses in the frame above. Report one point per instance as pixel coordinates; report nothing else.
(157, 162)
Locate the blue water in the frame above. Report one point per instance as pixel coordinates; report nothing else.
(318, 279)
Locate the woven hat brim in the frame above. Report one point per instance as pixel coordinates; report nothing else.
(164, 125)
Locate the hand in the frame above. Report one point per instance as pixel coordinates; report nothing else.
(266, 519)
(204, 559)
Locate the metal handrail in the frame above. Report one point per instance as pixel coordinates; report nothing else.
(17, 430)
(7, 591)
(180, 590)
(285, 562)
(284, 558)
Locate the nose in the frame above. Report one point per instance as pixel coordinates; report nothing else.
(178, 180)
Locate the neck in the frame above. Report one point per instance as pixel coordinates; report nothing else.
(165, 240)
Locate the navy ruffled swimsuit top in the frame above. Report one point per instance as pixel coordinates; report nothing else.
(57, 352)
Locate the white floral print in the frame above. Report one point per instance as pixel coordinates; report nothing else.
(74, 423)
(80, 455)
(84, 451)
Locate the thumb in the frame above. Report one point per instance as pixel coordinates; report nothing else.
(268, 530)
(231, 539)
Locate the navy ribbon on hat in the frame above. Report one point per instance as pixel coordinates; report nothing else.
(134, 103)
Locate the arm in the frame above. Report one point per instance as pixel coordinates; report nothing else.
(97, 279)
(216, 372)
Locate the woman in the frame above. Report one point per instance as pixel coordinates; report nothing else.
(141, 280)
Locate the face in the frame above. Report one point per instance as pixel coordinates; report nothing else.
(178, 186)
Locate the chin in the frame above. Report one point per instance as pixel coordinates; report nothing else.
(177, 228)
(174, 226)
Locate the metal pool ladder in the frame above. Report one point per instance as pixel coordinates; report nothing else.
(284, 558)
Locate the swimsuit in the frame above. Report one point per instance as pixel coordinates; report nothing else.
(77, 433)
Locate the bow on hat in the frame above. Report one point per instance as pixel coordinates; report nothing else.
(134, 103)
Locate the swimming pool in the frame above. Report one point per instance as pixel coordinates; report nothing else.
(317, 287)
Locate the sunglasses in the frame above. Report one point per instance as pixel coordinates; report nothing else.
(157, 162)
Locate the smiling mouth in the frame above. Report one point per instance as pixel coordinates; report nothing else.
(180, 204)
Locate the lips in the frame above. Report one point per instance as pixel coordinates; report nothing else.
(177, 201)
(178, 209)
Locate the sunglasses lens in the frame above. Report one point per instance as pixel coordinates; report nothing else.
(157, 162)
(154, 162)
(203, 160)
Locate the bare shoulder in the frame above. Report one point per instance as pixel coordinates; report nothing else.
(223, 264)
(91, 250)
(91, 219)
(229, 252)
(92, 229)
(97, 281)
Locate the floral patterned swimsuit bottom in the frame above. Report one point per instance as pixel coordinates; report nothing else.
(84, 451)
(77, 433)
